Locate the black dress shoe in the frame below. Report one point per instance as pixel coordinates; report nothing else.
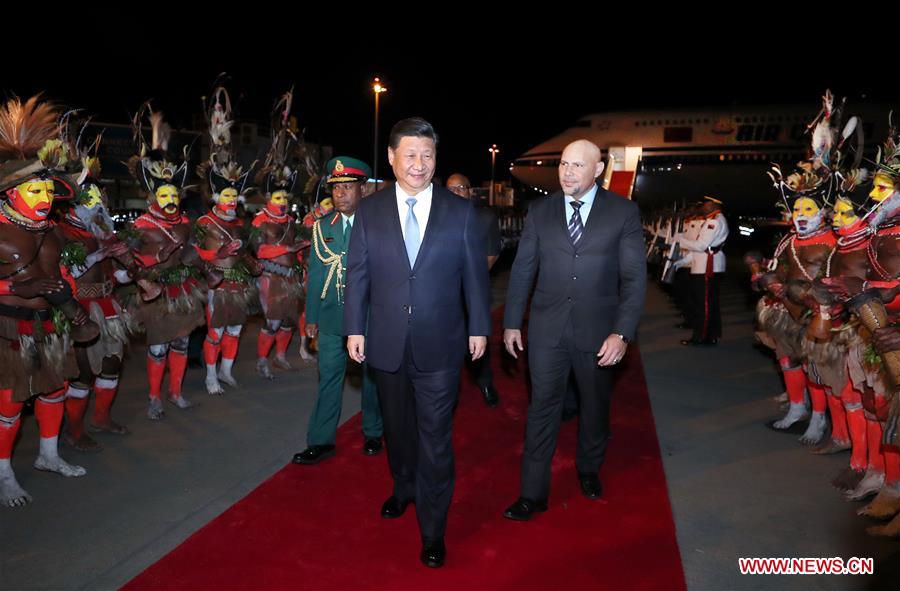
(700, 343)
(314, 454)
(590, 486)
(372, 446)
(433, 553)
(491, 396)
(523, 509)
(394, 507)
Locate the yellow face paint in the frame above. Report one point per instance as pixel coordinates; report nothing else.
(844, 215)
(279, 198)
(95, 197)
(33, 199)
(805, 207)
(228, 196)
(883, 187)
(168, 198)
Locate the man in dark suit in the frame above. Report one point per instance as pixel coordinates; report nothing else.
(585, 245)
(490, 230)
(417, 285)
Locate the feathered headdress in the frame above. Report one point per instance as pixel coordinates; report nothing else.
(887, 160)
(152, 167)
(84, 164)
(222, 170)
(277, 173)
(819, 177)
(29, 142)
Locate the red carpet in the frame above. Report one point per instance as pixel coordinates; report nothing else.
(318, 527)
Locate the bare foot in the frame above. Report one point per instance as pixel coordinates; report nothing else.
(834, 446)
(796, 413)
(815, 433)
(85, 443)
(213, 386)
(11, 494)
(227, 378)
(180, 401)
(281, 362)
(49, 463)
(155, 410)
(885, 505)
(262, 368)
(890, 529)
(108, 426)
(848, 478)
(871, 483)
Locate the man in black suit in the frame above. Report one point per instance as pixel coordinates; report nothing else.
(490, 230)
(416, 275)
(585, 245)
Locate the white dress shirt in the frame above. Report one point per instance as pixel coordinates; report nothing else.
(422, 208)
(587, 202)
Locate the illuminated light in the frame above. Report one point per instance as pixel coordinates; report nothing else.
(539, 162)
(745, 229)
(721, 157)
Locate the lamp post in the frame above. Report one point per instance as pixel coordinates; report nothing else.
(378, 88)
(494, 151)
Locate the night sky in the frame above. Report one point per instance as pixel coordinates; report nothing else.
(515, 92)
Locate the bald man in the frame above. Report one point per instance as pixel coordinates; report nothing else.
(489, 228)
(584, 245)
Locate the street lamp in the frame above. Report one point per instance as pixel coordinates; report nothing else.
(378, 88)
(494, 151)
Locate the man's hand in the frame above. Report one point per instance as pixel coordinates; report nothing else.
(229, 250)
(477, 346)
(886, 339)
(312, 330)
(612, 351)
(512, 339)
(168, 250)
(356, 346)
(844, 287)
(32, 288)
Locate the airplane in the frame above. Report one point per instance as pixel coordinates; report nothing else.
(661, 157)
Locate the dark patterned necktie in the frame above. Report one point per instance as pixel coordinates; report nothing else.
(575, 226)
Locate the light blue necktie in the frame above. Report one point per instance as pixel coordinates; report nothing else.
(412, 239)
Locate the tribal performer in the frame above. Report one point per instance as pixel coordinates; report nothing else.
(97, 260)
(171, 301)
(883, 282)
(220, 243)
(38, 316)
(276, 243)
(808, 358)
(851, 260)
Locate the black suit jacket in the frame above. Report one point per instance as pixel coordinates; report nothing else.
(600, 283)
(430, 300)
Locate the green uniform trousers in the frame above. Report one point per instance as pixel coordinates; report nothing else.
(323, 422)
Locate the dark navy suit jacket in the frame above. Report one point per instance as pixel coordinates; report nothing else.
(429, 301)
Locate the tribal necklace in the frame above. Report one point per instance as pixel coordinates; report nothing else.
(803, 269)
(152, 220)
(212, 218)
(10, 214)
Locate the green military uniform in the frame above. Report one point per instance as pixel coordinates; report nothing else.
(325, 308)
